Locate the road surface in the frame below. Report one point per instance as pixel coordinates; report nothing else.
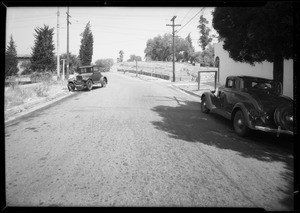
(142, 143)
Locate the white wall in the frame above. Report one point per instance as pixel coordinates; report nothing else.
(264, 70)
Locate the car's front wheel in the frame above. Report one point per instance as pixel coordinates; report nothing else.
(89, 85)
(239, 124)
(204, 108)
(71, 87)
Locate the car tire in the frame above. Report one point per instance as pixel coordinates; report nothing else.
(104, 83)
(204, 108)
(280, 116)
(89, 85)
(239, 124)
(71, 87)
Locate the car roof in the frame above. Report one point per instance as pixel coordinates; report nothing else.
(251, 78)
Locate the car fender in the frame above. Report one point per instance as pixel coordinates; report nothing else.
(211, 100)
(245, 108)
(102, 79)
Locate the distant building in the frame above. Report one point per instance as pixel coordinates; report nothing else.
(21, 59)
(227, 66)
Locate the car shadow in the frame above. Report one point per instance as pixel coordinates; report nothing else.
(186, 122)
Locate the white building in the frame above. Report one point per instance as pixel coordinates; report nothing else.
(228, 66)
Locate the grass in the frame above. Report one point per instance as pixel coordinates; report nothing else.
(17, 94)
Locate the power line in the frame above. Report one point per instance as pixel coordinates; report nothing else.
(190, 20)
(186, 14)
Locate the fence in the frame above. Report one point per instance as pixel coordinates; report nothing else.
(141, 72)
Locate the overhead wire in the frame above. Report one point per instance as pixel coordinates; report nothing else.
(189, 20)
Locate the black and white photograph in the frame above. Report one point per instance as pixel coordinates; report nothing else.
(150, 106)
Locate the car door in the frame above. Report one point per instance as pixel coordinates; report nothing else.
(96, 74)
(227, 95)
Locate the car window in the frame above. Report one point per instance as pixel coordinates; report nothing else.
(230, 83)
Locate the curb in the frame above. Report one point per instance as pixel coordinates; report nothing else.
(187, 91)
(18, 112)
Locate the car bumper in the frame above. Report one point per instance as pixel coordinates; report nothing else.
(277, 131)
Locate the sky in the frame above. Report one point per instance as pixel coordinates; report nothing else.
(113, 28)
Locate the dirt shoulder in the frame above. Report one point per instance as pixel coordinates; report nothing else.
(21, 99)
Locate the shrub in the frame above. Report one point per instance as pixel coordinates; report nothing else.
(41, 77)
(42, 90)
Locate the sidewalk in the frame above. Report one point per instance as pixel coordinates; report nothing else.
(188, 87)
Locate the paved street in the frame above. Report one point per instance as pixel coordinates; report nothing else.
(142, 143)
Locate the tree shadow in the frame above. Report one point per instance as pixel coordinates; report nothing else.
(186, 122)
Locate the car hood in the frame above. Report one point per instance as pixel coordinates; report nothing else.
(269, 102)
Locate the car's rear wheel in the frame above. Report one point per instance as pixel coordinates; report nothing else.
(89, 85)
(239, 124)
(71, 87)
(283, 116)
(204, 108)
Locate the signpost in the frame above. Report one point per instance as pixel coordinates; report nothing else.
(207, 76)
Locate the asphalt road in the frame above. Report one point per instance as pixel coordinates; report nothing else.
(142, 143)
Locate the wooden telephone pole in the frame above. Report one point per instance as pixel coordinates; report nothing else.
(173, 26)
(68, 22)
(58, 62)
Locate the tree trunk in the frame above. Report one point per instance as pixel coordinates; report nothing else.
(278, 68)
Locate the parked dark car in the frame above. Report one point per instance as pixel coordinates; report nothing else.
(86, 77)
(251, 103)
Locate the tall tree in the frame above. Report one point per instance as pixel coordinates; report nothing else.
(257, 34)
(121, 54)
(187, 55)
(86, 47)
(205, 38)
(42, 57)
(11, 62)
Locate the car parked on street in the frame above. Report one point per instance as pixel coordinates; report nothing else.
(251, 103)
(86, 77)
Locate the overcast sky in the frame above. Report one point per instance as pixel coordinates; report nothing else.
(113, 28)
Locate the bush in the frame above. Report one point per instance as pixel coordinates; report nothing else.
(42, 90)
(41, 77)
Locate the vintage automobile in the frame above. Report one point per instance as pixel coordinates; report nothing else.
(251, 103)
(86, 77)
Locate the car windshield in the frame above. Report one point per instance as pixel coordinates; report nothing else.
(261, 85)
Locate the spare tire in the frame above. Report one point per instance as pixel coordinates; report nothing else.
(283, 116)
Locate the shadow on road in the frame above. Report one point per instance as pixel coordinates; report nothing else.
(186, 122)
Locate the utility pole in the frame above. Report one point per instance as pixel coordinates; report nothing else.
(58, 62)
(68, 22)
(63, 75)
(173, 26)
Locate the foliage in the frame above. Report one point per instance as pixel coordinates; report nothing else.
(207, 57)
(42, 90)
(121, 56)
(187, 54)
(204, 39)
(11, 62)
(160, 48)
(74, 62)
(86, 47)
(26, 65)
(41, 77)
(134, 58)
(42, 58)
(257, 34)
(106, 63)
